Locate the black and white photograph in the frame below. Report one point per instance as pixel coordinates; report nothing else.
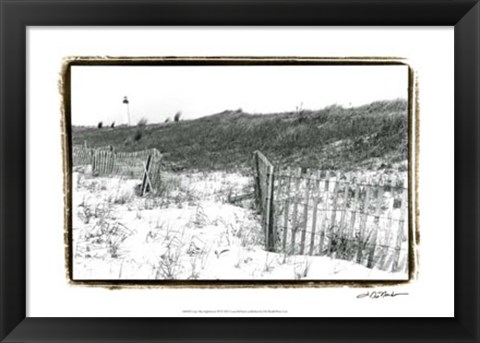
(240, 171)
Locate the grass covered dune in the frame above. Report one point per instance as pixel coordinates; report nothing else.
(373, 136)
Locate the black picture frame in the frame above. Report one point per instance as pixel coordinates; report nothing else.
(16, 15)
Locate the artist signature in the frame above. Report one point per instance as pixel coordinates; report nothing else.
(379, 294)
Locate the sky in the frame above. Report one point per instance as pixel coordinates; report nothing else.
(158, 92)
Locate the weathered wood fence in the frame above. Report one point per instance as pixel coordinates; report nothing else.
(264, 196)
(345, 216)
(107, 161)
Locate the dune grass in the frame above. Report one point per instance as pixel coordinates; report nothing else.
(373, 136)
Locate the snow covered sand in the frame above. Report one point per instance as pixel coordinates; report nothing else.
(190, 230)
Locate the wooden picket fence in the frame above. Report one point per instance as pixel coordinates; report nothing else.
(83, 155)
(106, 161)
(345, 216)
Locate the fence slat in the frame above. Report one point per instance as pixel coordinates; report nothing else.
(305, 214)
(344, 209)
(388, 225)
(354, 208)
(361, 236)
(379, 201)
(278, 185)
(324, 220)
(295, 209)
(314, 215)
(287, 203)
(331, 228)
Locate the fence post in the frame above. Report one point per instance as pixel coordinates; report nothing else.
(257, 189)
(146, 183)
(400, 234)
(270, 209)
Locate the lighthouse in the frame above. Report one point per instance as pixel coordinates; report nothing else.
(126, 102)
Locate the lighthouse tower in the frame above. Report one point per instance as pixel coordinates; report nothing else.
(126, 102)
